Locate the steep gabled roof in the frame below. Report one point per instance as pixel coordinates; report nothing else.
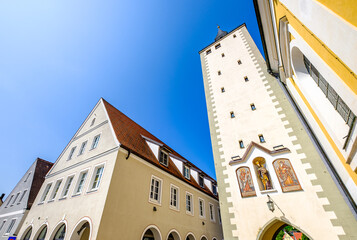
(130, 136)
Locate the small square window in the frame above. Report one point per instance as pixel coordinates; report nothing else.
(186, 171)
(241, 144)
(252, 106)
(234, 36)
(219, 73)
(223, 55)
(246, 79)
(163, 158)
(223, 90)
(208, 51)
(261, 138)
(239, 62)
(217, 46)
(232, 115)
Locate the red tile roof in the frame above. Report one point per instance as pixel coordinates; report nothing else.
(130, 136)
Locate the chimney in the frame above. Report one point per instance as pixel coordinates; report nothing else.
(2, 196)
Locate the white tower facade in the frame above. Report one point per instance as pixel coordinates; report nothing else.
(263, 153)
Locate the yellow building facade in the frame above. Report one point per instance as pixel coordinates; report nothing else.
(309, 45)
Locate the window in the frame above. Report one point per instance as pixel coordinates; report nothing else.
(2, 224)
(211, 212)
(67, 186)
(45, 193)
(189, 203)
(223, 55)
(232, 115)
(95, 141)
(186, 171)
(83, 147)
(93, 121)
(214, 189)
(261, 138)
(60, 233)
(12, 223)
(174, 197)
(219, 73)
(222, 90)
(27, 177)
(201, 181)
(17, 195)
(55, 190)
(336, 101)
(219, 215)
(22, 196)
(42, 234)
(28, 234)
(234, 36)
(239, 62)
(217, 46)
(82, 179)
(208, 51)
(163, 158)
(71, 153)
(98, 176)
(241, 144)
(201, 204)
(246, 79)
(155, 190)
(7, 204)
(252, 106)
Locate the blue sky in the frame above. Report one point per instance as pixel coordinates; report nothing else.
(57, 58)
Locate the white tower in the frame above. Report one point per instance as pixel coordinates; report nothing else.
(262, 152)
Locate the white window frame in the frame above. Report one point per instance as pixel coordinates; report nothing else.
(90, 187)
(177, 207)
(45, 192)
(71, 153)
(214, 186)
(152, 200)
(162, 152)
(65, 186)
(75, 190)
(203, 208)
(54, 194)
(203, 181)
(9, 228)
(188, 170)
(94, 143)
(192, 204)
(82, 148)
(212, 216)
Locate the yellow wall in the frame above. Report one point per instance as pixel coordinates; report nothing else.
(346, 9)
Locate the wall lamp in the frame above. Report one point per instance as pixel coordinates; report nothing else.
(271, 204)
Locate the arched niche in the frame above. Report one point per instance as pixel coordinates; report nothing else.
(27, 234)
(82, 230)
(59, 232)
(151, 233)
(190, 236)
(41, 233)
(203, 238)
(173, 235)
(263, 174)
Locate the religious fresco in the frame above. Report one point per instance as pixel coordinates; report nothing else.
(245, 182)
(263, 174)
(286, 175)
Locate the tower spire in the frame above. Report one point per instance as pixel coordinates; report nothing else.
(220, 33)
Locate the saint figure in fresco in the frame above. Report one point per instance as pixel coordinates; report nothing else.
(245, 180)
(286, 174)
(264, 176)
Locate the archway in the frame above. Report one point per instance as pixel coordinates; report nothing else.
(82, 230)
(41, 234)
(27, 234)
(60, 233)
(278, 229)
(151, 233)
(203, 238)
(190, 236)
(173, 235)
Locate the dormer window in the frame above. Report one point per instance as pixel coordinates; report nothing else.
(164, 158)
(214, 189)
(186, 172)
(201, 181)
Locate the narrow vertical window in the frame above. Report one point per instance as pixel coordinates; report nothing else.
(155, 190)
(12, 223)
(201, 204)
(163, 158)
(222, 55)
(2, 224)
(83, 147)
(232, 115)
(82, 179)
(93, 121)
(241, 144)
(27, 177)
(174, 197)
(223, 90)
(252, 106)
(186, 171)
(189, 205)
(45, 193)
(97, 177)
(22, 196)
(246, 79)
(201, 181)
(17, 195)
(55, 190)
(219, 73)
(261, 138)
(219, 215)
(7, 204)
(211, 212)
(71, 153)
(214, 189)
(239, 62)
(67, 186)
(95, 141)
